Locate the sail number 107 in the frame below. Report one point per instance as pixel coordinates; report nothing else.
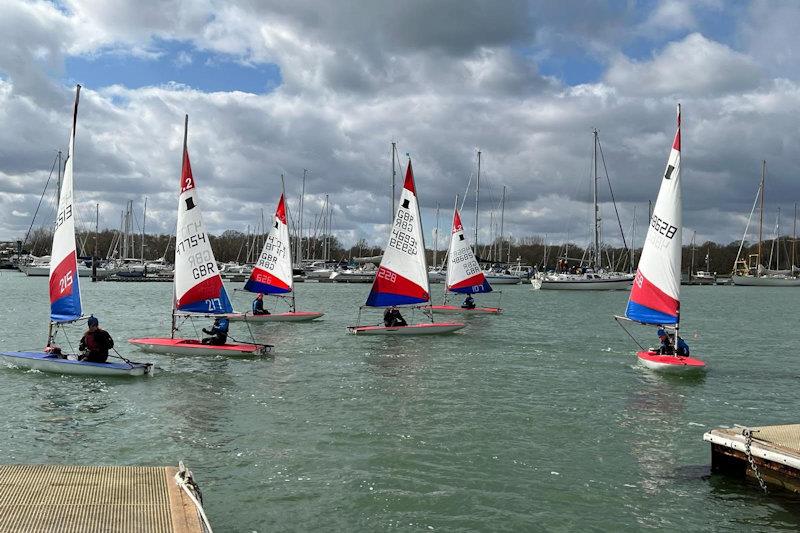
(663, 227)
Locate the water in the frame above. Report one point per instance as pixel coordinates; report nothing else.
(536, 420)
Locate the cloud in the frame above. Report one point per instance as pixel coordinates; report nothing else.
(693, 66)
(356, 78)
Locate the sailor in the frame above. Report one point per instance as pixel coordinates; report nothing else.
(392, 318)
(95, 343)
(218, 332)
(469, 302)
(682, 348)
(666, 347)
(258, 305)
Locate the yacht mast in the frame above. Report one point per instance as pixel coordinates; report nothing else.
(761, 211)
(477, 197)
(596, 208)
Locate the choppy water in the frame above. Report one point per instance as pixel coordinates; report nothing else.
(535, 420)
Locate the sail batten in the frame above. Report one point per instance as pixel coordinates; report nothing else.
(198, 284)
(273, 271)
(402, 277)
(464, 274)
(65, 293)
(655, 296)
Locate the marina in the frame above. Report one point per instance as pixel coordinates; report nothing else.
(336, 432)
(600, 336)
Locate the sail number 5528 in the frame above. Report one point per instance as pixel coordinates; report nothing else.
(663, 227)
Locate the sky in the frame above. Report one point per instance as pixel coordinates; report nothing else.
(275, 87)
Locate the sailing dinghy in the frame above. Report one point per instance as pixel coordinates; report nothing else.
(402, 278)
(273, 274)
(464, 274)
(65, 292)
(655, 296)
(199, 291)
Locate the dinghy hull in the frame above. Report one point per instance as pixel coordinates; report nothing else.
(45, 362)
(414, 329)
(456, 310)
(195, 347)
(297, 316)
(670, 363)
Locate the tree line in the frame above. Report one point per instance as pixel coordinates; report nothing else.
(240, 247)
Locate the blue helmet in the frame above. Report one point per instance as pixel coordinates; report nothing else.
(661, 333)
(93, 321)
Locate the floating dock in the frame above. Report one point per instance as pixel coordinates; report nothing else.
(45, 498)
(768, 454)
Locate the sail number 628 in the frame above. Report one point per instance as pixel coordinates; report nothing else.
(663, 227)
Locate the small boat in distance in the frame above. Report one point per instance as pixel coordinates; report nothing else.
(199, 291)
(464, 274)
(402, 278)
(65, 293)
(655, 296)
(272, 274)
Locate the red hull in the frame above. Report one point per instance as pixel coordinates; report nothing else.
(669, 362)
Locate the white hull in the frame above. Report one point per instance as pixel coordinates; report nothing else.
(414, 329)
(41, 362)
(352, 277)
(766, 281)
(501, 280)
(456, 310)
(300, 316)
(83, 272)
(437, 276)
(583, 284)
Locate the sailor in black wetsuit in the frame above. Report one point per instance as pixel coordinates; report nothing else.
(666, 347)
(95, 343)
(469, 302)
(392, 318)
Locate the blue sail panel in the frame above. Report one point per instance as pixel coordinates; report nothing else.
(647, 315)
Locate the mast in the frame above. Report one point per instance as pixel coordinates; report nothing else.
(761, 211)
(394, 176)
(477, 198)
(691, 266)
(596, 208)
(794, 238)
(58, 182)
(633, 242)
(436, 243)
(502, 216)
(144, 222)
(94, 253)
(183, 159)
(299, 255)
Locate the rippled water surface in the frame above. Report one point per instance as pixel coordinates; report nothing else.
(536, 420)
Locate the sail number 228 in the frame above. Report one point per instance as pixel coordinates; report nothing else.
(663, 227)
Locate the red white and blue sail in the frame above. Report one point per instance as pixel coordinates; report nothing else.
(198, 285)
(464, 274)
(402, 277)
(65, 292)
(655, 296)
(273, 271)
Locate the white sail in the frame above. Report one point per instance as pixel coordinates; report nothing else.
(65, 294)
(402, 277)
(655, 296)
